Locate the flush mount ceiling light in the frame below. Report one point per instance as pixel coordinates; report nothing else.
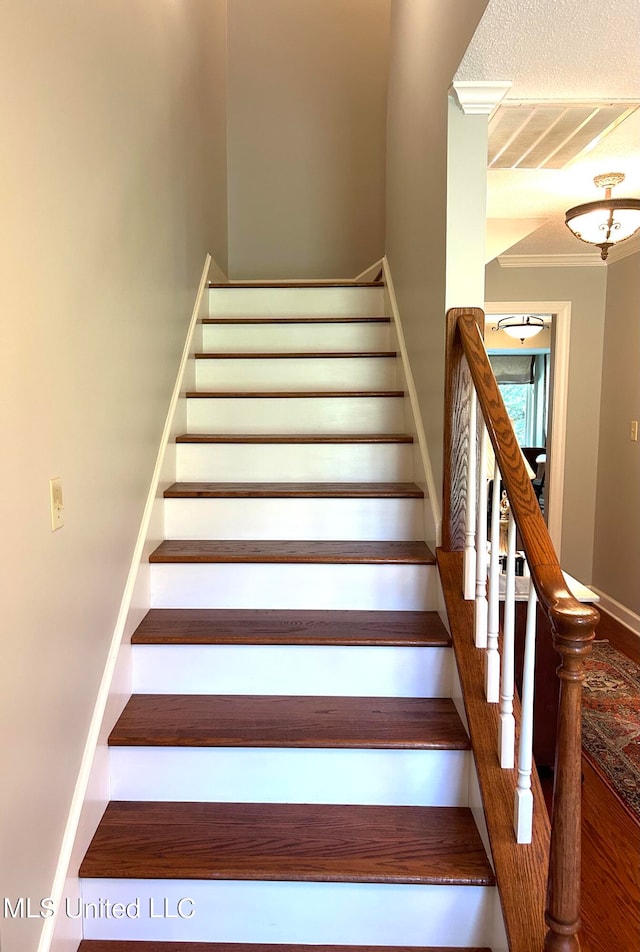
(606, 222)
(520, 327)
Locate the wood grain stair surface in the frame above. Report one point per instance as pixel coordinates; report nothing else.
(297, 355)
(340, 319)
(294, 438)
(172, 720)
(201, 490)
(179, 626)
(295, 284)
(115, 945)
(288, 842)
(287, 394)
(313, 553)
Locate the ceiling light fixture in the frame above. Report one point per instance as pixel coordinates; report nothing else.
(606, 222)
(520, 327)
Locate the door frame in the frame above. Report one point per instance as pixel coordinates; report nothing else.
(560, 337)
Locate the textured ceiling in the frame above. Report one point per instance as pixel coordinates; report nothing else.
(555, 49)
(562, 50)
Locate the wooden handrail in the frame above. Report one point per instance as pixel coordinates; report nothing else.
(572, 623)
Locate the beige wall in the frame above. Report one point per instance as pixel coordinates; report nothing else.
(307, 102)
(428, 39)
(585, 288)
(109, 187)
(616, 556)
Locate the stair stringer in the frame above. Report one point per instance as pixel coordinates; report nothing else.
(520, 869)
(423, 473)
(62, 933)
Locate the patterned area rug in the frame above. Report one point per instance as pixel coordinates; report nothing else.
(611, 720)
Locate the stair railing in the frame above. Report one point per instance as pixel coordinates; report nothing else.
(475, 420)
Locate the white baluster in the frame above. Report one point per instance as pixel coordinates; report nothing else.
(470, 512)
(492, 662)
(480, 614)
(523, 805)
(507, 735)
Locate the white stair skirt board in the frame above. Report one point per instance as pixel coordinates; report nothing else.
(295, 415)
(296, 373)
(309, 913)
(275, 585)
(240, 775)
(346, 519)
(296, 302)
(295, 462)
(314, 670)
(285, 337)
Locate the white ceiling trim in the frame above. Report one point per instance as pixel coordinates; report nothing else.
(551, 261)
(626, 248)
(479, 98)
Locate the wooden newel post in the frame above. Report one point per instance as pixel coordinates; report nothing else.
(573, 634)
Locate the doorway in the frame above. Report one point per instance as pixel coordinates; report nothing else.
(559, 313)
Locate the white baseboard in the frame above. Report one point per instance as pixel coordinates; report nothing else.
(618, 611)
(91, 792)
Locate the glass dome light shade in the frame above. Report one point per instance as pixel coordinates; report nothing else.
(521, 331)
(520, 328)
(605, 222)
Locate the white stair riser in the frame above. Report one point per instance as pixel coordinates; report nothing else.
(364, 519)
(284, 337)
(295, 415)
(313, 670)
(244, 585)
(240, 775)
(296, 302)
(296, 373)
(279, 912)
(295, 462)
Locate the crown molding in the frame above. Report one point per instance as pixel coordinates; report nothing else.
(479, 98)
(551, 261)
(626, 248)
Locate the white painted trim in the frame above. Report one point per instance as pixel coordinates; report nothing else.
(558, 434)
(370, 273)
(415, 406)
(626, 248)
(587, 260)
(619, 611)
(479, 98)
(64, 875)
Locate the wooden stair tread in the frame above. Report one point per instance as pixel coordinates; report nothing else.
(119, 945)
(231, 285)
(287, 394)
(298, 551)
(203, 490)
(297, 355)
(294, 438)
(210, 626)
(341, 319)
(291, 842)
(192, 720)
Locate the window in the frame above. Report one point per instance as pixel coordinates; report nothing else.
(524, 384)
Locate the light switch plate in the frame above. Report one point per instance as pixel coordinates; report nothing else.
(57, 505)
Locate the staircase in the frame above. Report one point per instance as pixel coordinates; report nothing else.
(291, 768)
